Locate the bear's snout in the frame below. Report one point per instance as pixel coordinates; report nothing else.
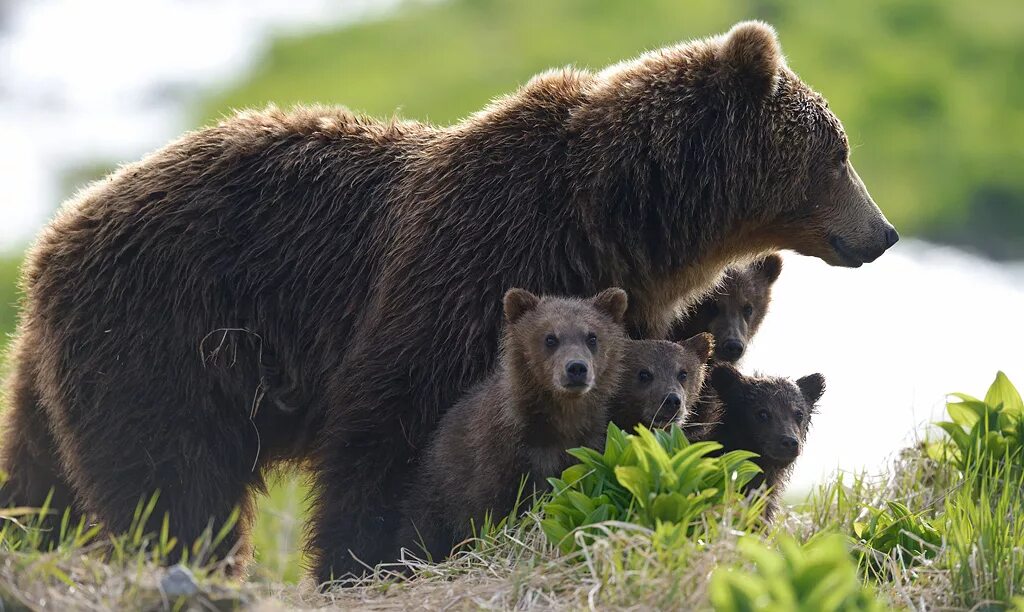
(577, 374)
(731, 350)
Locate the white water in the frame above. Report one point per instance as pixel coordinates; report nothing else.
(109, 79)
(892, 339)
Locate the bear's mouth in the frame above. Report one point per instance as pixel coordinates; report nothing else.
(848, 258)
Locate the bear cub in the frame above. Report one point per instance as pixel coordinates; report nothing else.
(734, 311)
(661, 381)
(769, 416)
(559, 366)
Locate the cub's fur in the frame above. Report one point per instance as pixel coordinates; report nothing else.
(769, 416)
(560, 363)
(661, 381)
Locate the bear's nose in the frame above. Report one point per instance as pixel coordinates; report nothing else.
(576, 371)
(732, 349)
(891, 236)
(673, 401)
(790, 443)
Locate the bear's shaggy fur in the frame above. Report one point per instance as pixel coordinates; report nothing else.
(520, 421)
(661, 382)
(370, 259)
(769, 416)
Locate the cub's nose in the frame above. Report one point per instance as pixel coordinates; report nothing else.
(672, 401)
(891, 236)
(576, 372)
(790, 444)
(732, 349)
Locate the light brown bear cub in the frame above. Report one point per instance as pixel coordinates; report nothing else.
(767, 415)
(661, 381)
(560, 363)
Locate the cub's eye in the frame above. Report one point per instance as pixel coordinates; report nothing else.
(551, 341)
(645, 376)
(763, 416)
(748, 310)
(592, 340)
(682, 376)
(713, 310)
(799, 414)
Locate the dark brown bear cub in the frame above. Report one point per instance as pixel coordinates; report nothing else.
(661, 381)
(559, 365)
(769, 416)
(733, 312)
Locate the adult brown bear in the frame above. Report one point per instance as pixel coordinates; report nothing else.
(370, 258)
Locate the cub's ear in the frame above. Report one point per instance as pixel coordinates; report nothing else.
(613, 302)
(811, 386)
(769, 268)
(751, 58)
(702, 344)
(519, 302)
(725, 379)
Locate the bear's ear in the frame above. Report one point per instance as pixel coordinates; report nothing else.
(702, 344)
(613, 302)
(725, 379)
(769, 268)
(751, 58)
(519, 302)
(811, 386)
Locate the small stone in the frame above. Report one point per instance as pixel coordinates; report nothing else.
(179, 582)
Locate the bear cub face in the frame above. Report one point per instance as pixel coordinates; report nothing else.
(767, 415)
(661, 380)
(734, 311)
(564, 347)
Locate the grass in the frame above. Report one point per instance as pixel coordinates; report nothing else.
(958, 542)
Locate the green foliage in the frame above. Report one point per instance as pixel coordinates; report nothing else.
(984, 433)
(928, 90)
(818, 576)
(651, 479)
(895, 534)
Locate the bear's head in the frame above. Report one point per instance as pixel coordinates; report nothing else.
(564, 347)
(661, 381)
(767, 415)
(826, 211)
(733, 312)
(717, 145)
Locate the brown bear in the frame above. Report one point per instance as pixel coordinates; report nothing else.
(769, 416)
(371, 256)
(732, 313)
(734, 310)
(661, 382)
(560, 362)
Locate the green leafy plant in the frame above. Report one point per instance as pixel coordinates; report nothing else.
(819, 576)
(650, 478)
(984, 432)
(896, 534)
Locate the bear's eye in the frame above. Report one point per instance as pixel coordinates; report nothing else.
(799, 414)
(763, 416)
(682, 376)
(592, 340)
(748, 311)
(713, 310)
(645, 376)
(841, 156)
(551, 341)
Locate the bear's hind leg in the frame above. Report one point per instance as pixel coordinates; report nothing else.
(29, 455)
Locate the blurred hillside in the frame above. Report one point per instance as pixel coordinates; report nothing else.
(930, 91)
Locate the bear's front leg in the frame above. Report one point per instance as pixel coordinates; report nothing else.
(357, 509)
